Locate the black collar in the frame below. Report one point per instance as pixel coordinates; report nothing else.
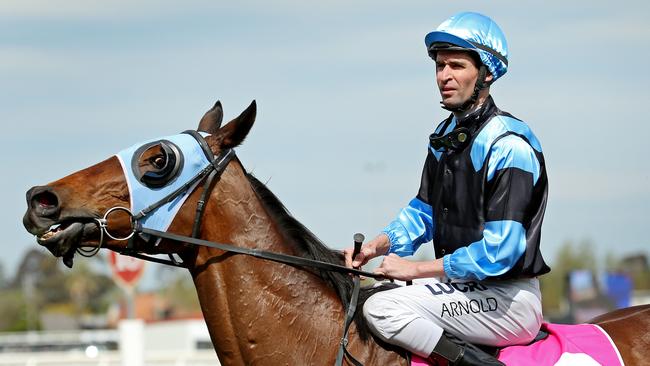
(476, 118)
(465, 128)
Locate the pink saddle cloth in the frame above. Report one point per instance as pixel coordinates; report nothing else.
(582, 344)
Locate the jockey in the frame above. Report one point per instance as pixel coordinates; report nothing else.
(481, 200)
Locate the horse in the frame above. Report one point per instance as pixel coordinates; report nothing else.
(258, 312)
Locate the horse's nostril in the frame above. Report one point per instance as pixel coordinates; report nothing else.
(46, 199)
(44, 203)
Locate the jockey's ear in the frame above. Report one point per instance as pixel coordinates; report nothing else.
(211, 120)
(489, 78)
(235, 131)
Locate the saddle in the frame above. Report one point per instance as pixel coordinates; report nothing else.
(490, 350)
(556, 344)
(494, 351)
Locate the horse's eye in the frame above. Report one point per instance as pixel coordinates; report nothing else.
(158, 162)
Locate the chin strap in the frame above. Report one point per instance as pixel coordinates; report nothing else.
(480, 85)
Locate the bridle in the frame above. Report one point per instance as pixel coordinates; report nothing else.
(209, 176)
(102, 224)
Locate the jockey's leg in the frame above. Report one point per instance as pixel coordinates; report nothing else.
(493, 313)
(461, 353)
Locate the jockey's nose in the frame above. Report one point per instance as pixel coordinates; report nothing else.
(43, 202)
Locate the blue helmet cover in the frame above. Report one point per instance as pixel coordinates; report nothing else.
(141, 196)
(476, 32)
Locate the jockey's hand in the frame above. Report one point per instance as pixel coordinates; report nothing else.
(397, 268)
(374, 248)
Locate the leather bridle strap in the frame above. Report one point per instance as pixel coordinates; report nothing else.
(171, 196)
(352, 308)
(276, 257)
(217, 164)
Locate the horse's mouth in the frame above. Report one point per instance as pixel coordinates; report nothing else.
(63, 239)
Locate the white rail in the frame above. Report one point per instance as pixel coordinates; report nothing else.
(174, 343)
(108, 358)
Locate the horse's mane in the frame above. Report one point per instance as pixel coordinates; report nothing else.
(311, 247)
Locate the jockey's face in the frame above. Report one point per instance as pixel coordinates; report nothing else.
(456, 74)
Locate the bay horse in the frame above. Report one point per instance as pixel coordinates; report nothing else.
(258, 312)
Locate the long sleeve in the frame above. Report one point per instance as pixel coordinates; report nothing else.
(415, 223)
(413, 226)
(512, 172)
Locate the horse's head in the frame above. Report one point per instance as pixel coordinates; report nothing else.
(66, 215)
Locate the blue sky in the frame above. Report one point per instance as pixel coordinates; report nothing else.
(346, 100)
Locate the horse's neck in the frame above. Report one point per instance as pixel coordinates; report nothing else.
(260, 312)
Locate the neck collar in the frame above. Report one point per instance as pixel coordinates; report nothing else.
(477, 116)
(464, 128)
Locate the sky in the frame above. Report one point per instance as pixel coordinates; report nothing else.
(346, 101)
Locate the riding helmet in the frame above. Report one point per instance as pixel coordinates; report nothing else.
(475, 32)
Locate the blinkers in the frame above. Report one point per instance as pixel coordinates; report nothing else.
(161, 168)
(157, 163)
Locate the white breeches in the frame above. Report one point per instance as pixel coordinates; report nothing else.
(492, 313)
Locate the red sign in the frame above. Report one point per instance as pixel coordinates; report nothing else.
(126, 270)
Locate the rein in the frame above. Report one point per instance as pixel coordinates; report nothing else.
(210, 174)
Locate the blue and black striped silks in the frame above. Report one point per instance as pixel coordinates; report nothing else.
(482, 205)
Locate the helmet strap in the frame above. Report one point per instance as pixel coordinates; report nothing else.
(478, 86)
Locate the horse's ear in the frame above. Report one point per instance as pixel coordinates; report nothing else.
(211, 120)
(235, 131)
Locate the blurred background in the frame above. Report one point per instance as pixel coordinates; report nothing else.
(346, 100)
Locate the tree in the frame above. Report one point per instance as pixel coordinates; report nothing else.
(3, 280)
(179, 291)
(40, 285)
(13, 311)
(45, 272)
(569, 257)
(89, 291)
